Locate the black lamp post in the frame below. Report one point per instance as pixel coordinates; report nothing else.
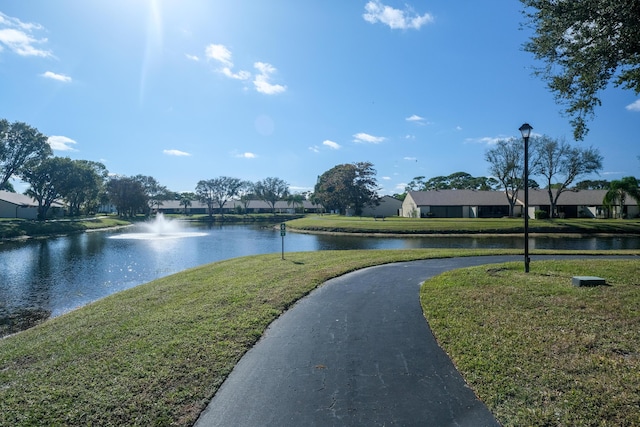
(525, 129)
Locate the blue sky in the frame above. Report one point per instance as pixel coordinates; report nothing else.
(195, 89)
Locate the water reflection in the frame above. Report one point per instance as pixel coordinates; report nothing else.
(59, 274)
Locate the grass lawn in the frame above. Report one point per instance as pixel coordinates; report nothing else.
(156, 354)
(400, 225)
(14, 228)
(539, 351)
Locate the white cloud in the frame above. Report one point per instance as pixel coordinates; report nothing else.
(635, 106)
(262, 80)
(240, 75)
(55, 76)
(331, 144)
(177, 153)
(415, 118)
(314, 148)
(386, 178)
(394, 18)
(192, 57)
(366, 138)
(411, 159)
(18, 37)
(488, 140)
(61, 143)
(219, 53)
(246, 155)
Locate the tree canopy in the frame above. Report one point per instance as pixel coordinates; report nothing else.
(506, 163)
(271, 190)
(585, 44)
(19, 144)
(351, 185)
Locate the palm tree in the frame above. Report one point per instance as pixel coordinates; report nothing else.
(618, 191)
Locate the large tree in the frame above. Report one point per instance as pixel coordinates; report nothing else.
(585, 44)
(506, 163)
(86, 183)
(271, 190)
(48, 179)
(19, 144)
(559, 161)
(128, 195)
(351, 185)
(219, 191)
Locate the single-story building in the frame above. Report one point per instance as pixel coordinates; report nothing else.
(15, 205)
(490, 204)
(388, 206)
(455, 204)
(237, 206)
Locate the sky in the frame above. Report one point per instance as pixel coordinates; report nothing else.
(188, 90)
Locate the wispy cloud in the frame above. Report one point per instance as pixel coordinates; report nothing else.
(415, 118)
(410, 159)
(395, 19)
(366, 138)
(488, 140)
(192, 57)
(635, 106)
(246, 155)
(262, 80)
(314, 148)
(386, 178)
(54, 76)
(331, 144)
(61, 143)
(19, 37)
(177, 153)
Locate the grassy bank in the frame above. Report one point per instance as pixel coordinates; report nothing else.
(156, 354)
(16, 228)
(539, 351)
(398, 225)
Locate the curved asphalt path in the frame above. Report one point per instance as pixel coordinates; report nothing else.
(356, 351)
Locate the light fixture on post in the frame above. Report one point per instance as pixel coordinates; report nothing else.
(525, 129)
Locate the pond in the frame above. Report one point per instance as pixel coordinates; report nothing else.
(44, 278)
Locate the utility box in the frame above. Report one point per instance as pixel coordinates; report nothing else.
(587, 281)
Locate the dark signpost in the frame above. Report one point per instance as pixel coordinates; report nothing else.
(283, 232)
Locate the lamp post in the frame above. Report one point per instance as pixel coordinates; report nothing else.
(525, 129)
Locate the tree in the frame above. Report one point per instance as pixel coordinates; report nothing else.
(506, 163)
(585, 44)
(86, 183)
(270, 190)
(128, 195)
(219, 191)
(156, 193)
(618, 191)
(185, 200)
(245, 193)
(351, 185)
(557, 159)
(47, 180)
(19, 144)
(587, 184)
(296, 199)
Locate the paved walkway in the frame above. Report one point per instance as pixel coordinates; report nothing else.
(356, 351)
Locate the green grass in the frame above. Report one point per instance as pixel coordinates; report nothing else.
(156, 354)
(400, 225)
(16, 228)
(539, 351)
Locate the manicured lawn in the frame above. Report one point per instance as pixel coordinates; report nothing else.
(398, 225)
(539, 351)
(157, 353)
(13, 228)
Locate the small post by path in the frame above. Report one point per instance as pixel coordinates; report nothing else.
(283, 232)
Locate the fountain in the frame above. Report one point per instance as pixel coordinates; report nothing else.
(160, 228)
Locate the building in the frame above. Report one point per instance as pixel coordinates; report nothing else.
(492, 204)
(15, 205)
(236, 206)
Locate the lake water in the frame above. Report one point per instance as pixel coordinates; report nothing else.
(43, 278)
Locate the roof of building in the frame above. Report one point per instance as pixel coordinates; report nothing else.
(459, 198)
(231, 204)
(17, 199)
